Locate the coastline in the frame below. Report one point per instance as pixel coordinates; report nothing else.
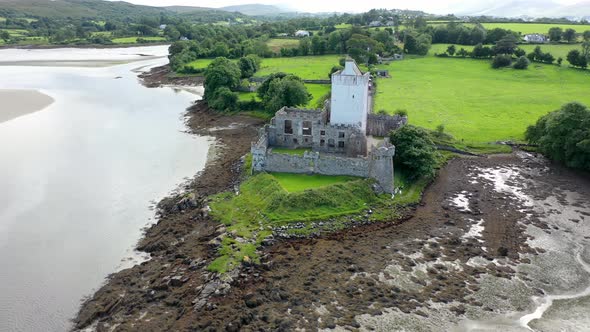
(16, 103)
(432, 266)
(98, 46)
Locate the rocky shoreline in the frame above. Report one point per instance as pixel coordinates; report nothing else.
(428, 272)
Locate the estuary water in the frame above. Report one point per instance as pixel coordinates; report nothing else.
(78, 178)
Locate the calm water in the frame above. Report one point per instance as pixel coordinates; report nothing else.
(77, 180)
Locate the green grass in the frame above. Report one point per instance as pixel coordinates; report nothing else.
(200, 63)
(308, 67)
(526, 28)
(133, 40)
(317, 91)
(343, 26)
(300, 182)
(557, 50)
(276, 44)
(296, 152)
(263, 204)
(476, 103)
(247, 96)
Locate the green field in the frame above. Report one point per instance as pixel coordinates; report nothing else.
(133, 40)
(475, 102)
(317, 91)
(309, 67)
(200, 63)
(526, 28)
(343, 26)
(300, 182)
(276, 44)
(557, 50)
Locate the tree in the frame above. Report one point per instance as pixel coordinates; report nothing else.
(221, 73)
(417, 43)
(247, 67)
(506, 45)
(224, 100)
(462, 52)
(501, 60)
(415, 152)
(521, 63)
(221, 49)
(304, 46)
(318, 45)
(559, 61)
(287, 91)
(577, 59)
(569, 35)
(586, 35)
(263, 88)
(564, 135)
(480, 51)
(451, 50)
(4, 35)
(555, 34)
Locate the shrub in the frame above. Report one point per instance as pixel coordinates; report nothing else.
(502, 60)
(564, 135)
(415, 152)
(521, 63)
(401, 112)
(224, 100)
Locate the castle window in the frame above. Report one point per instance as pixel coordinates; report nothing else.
(341, 134)
(322, 132)
(322, 142)
(331, 143)
(306, 127)
(306, 140)
(295, 141)
(288, 127)
(352, 96)
(341, 144)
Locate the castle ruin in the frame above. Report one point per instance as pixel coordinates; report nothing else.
(343, 138)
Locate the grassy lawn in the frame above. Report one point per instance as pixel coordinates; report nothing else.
(298, 152)
(247, 96)
(200, 63)
(133, 40)
(301, 182)
(317, 91)
(557, 50)
(343, 26)
(276, 44)
(308, 67)
(476, 103)
(263, 204)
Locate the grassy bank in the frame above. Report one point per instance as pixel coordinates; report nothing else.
(308, 67)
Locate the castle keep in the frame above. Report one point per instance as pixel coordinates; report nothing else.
(340, 138)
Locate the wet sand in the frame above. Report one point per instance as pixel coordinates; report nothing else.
(15, 103)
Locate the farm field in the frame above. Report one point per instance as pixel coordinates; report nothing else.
(474, 102)
(524, 28)
(300, 182)
(276, 44)
(557, 50)
(309, 67)
(133, 40)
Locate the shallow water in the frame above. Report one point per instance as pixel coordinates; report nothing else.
(78, 178)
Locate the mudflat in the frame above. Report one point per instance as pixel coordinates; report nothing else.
(15, 103)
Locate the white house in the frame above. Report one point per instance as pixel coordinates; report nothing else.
(375, 24)
(350, 96)
(302, 33)
(535, 38)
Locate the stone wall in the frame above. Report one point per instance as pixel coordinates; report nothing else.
(316, 163)
(381, 124)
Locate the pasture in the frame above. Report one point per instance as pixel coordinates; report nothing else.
(133, 40)
(557, 50)
(524, 28)
(276, 44)
(309, 67)
(474, 102)
(300, 182)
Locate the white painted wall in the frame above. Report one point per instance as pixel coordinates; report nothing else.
(350, 97)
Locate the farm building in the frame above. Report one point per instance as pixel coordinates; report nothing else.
(340, 139)
(302, 33)
(535, 38)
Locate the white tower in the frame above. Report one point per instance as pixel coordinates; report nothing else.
(350, 96)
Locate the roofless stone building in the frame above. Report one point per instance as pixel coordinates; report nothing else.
(343, 138)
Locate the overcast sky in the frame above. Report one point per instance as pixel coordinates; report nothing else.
(431, 6)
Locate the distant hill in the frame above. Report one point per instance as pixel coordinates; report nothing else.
(104, 10)
(256, 9)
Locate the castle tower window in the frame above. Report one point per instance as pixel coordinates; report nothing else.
(331, 143)
(341, 134)
(322, 142)
(322, 132)
(288, 127)
(341, 144)
(307, 128)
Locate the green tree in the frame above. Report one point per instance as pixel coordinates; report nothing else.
(247, 67)
(224, 100)
(221, 49)
(521, 63)
(555, 34)
(564, 135)
(304, 46)
(451, 50)
(415, 152)
(318, 45)
(462, 52)
(287, 91)
(506, 45)
(586, 35)
(577, 59)
(569, 35)
(501, 60)
(4, 35)
(221, 73)
(263, 88)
